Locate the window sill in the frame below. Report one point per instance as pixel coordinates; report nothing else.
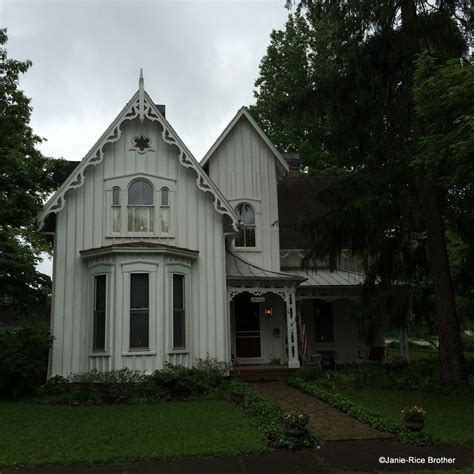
(99, 354)
(139, 353)
(178, 351)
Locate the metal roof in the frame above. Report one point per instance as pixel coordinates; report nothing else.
(326, 278)
(239, 269)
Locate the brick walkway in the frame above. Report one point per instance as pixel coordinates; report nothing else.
(326, 422)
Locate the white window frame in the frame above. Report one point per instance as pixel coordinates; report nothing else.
(138, 266)
(158, 183)
(97, 269)
(185, 270)
(256, 226)
(151, 206)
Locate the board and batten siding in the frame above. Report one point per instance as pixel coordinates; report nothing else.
(83, 224)
(244, 168)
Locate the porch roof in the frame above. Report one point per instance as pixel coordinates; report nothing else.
(238, 269)
(327, 278)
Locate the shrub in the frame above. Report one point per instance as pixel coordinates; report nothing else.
(266, 415)
(24, 357)
(213, 364)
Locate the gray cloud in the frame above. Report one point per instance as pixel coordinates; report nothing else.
(199, 58)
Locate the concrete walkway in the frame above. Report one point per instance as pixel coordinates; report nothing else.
(325, 422)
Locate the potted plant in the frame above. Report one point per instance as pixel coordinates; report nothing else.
(414, 418)
(295, 422)
(393, 363)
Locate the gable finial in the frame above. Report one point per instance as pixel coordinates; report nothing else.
(141, 97)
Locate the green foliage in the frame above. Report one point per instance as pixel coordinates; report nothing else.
(24, 355)
(42, 435)
(373, 419)
(132, 386)
(345, 73)
(26, 178)
(267, 416)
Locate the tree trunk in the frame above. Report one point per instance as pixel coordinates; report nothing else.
(451, 354)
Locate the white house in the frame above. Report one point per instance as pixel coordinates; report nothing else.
(159, 258)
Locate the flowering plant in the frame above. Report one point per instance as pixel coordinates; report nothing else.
(295, 419)
(394, 362)
(414, 413)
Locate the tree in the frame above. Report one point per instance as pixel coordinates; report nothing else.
(26, 178)
(359, 117)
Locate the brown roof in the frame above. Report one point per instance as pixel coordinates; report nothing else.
(296, 202)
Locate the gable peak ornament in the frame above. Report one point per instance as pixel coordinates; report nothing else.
(141, 97)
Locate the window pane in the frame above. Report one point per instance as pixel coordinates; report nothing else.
(99, 331)
(134, 193)
(248, 216)
(164, 197)
(139, 290)
(140, 219)
(165, 214)
(178, 329)
(138, 329)
(100, 292)
(146, 193)
(116, 220)
(250, 236)
(240, 239)
(178, 291)
(116, 197)
(99, 312)
(323, 322)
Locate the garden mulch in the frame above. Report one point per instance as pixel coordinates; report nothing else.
(326, 422)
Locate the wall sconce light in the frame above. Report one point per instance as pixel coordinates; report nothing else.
(268, 312)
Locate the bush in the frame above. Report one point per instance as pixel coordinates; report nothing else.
(24, 357)
(129, 386)
(266, 415)
(373, 419)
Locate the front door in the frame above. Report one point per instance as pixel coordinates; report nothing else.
(247, 327)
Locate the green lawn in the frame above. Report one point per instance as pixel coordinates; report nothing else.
(450, 417)
(32, 435)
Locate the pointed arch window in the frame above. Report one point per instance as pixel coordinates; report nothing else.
(246, 236)
(116, 210)
(140, 206)
(165, 210)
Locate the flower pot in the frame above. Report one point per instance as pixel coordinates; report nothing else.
(296, 432)
(414, 425)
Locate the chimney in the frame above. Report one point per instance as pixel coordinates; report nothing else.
(294, 162)
(162, 109)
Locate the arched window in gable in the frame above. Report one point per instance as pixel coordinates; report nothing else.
(140, 206)
(246, 236)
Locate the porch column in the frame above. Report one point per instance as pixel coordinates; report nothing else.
(290, 300)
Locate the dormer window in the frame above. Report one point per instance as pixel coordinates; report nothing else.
(140, 206)
(164, 210)
(116, 210)
(246, 236)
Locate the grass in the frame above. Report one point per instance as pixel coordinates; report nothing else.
(450, 417)
(34, 435)
(415, 354)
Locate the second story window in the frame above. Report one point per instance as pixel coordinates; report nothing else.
(140, 206)
(165, 210)
(116, 210)
(246, 237)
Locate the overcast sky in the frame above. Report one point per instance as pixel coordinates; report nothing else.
(199, 58)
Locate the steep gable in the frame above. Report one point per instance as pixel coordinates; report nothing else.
(140, 106)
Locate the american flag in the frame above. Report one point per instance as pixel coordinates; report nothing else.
(304, 346)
